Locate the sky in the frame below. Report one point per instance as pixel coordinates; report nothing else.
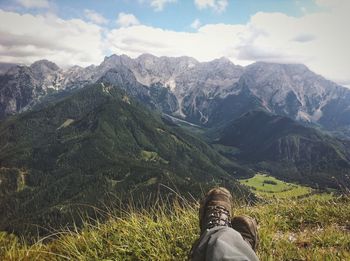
(83, 32)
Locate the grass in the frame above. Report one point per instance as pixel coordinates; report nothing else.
(66, 124)
(152, 156)
(312, 228)
(267, 187)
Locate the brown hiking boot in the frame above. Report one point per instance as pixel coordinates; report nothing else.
(215, 209)
(248, 228)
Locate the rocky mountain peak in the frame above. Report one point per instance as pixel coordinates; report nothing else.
(44, 66)
(171, 62)
(222, 60)
(115, 60)
(146, 57)
(18, 69)
(75, 67)
(197, 90)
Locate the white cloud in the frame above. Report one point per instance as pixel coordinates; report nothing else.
(303, 38)
(34, 3)
(319, 40)
(217, 5)
(333, 3)
(95, 17)
(158, 5)
(196, 24)
(209, 42)
(126, 20)
(27, 38)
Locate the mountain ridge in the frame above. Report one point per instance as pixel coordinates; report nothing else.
(195, 91)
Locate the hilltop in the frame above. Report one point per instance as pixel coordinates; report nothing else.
(314, 227)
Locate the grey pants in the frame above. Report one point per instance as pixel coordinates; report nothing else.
(222, 243)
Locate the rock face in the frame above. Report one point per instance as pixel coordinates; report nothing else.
(22, 86)
(291, 90)
(205, 93)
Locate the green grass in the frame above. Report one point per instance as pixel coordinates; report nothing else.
(152, 156)
(313, 228)
(66, 124)
(267, 187)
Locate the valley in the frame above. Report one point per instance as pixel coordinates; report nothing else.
(270, 187)
(162, 129)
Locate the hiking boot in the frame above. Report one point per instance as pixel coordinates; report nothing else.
(248, 228)
(215, 209)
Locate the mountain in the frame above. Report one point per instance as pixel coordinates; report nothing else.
(97, 146)
(205, 93)
(296, 92)
(211, 93)
(81, 137)
(286, 149)
(22, 86)
(186, 80)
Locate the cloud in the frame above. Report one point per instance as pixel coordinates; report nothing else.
(209, 42)
(126, 20)
(304, 38)
(251, 52)
(34, 3)
(95, 17)
(27, 38)
(158, 5)
(325, 41)
(196, 24)
(217, 5)
(333, 3)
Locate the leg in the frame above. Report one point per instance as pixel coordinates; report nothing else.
(222, 243)
(218, 241)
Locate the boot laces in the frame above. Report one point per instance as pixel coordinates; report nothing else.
(217, 216)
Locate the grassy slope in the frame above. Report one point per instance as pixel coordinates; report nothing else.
(267, 186)
(312, 228)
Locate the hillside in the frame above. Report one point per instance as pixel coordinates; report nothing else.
(313, 228)
(285, 149)
(97, 147)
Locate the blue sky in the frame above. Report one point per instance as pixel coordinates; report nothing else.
(177, 15)
(67, 32)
